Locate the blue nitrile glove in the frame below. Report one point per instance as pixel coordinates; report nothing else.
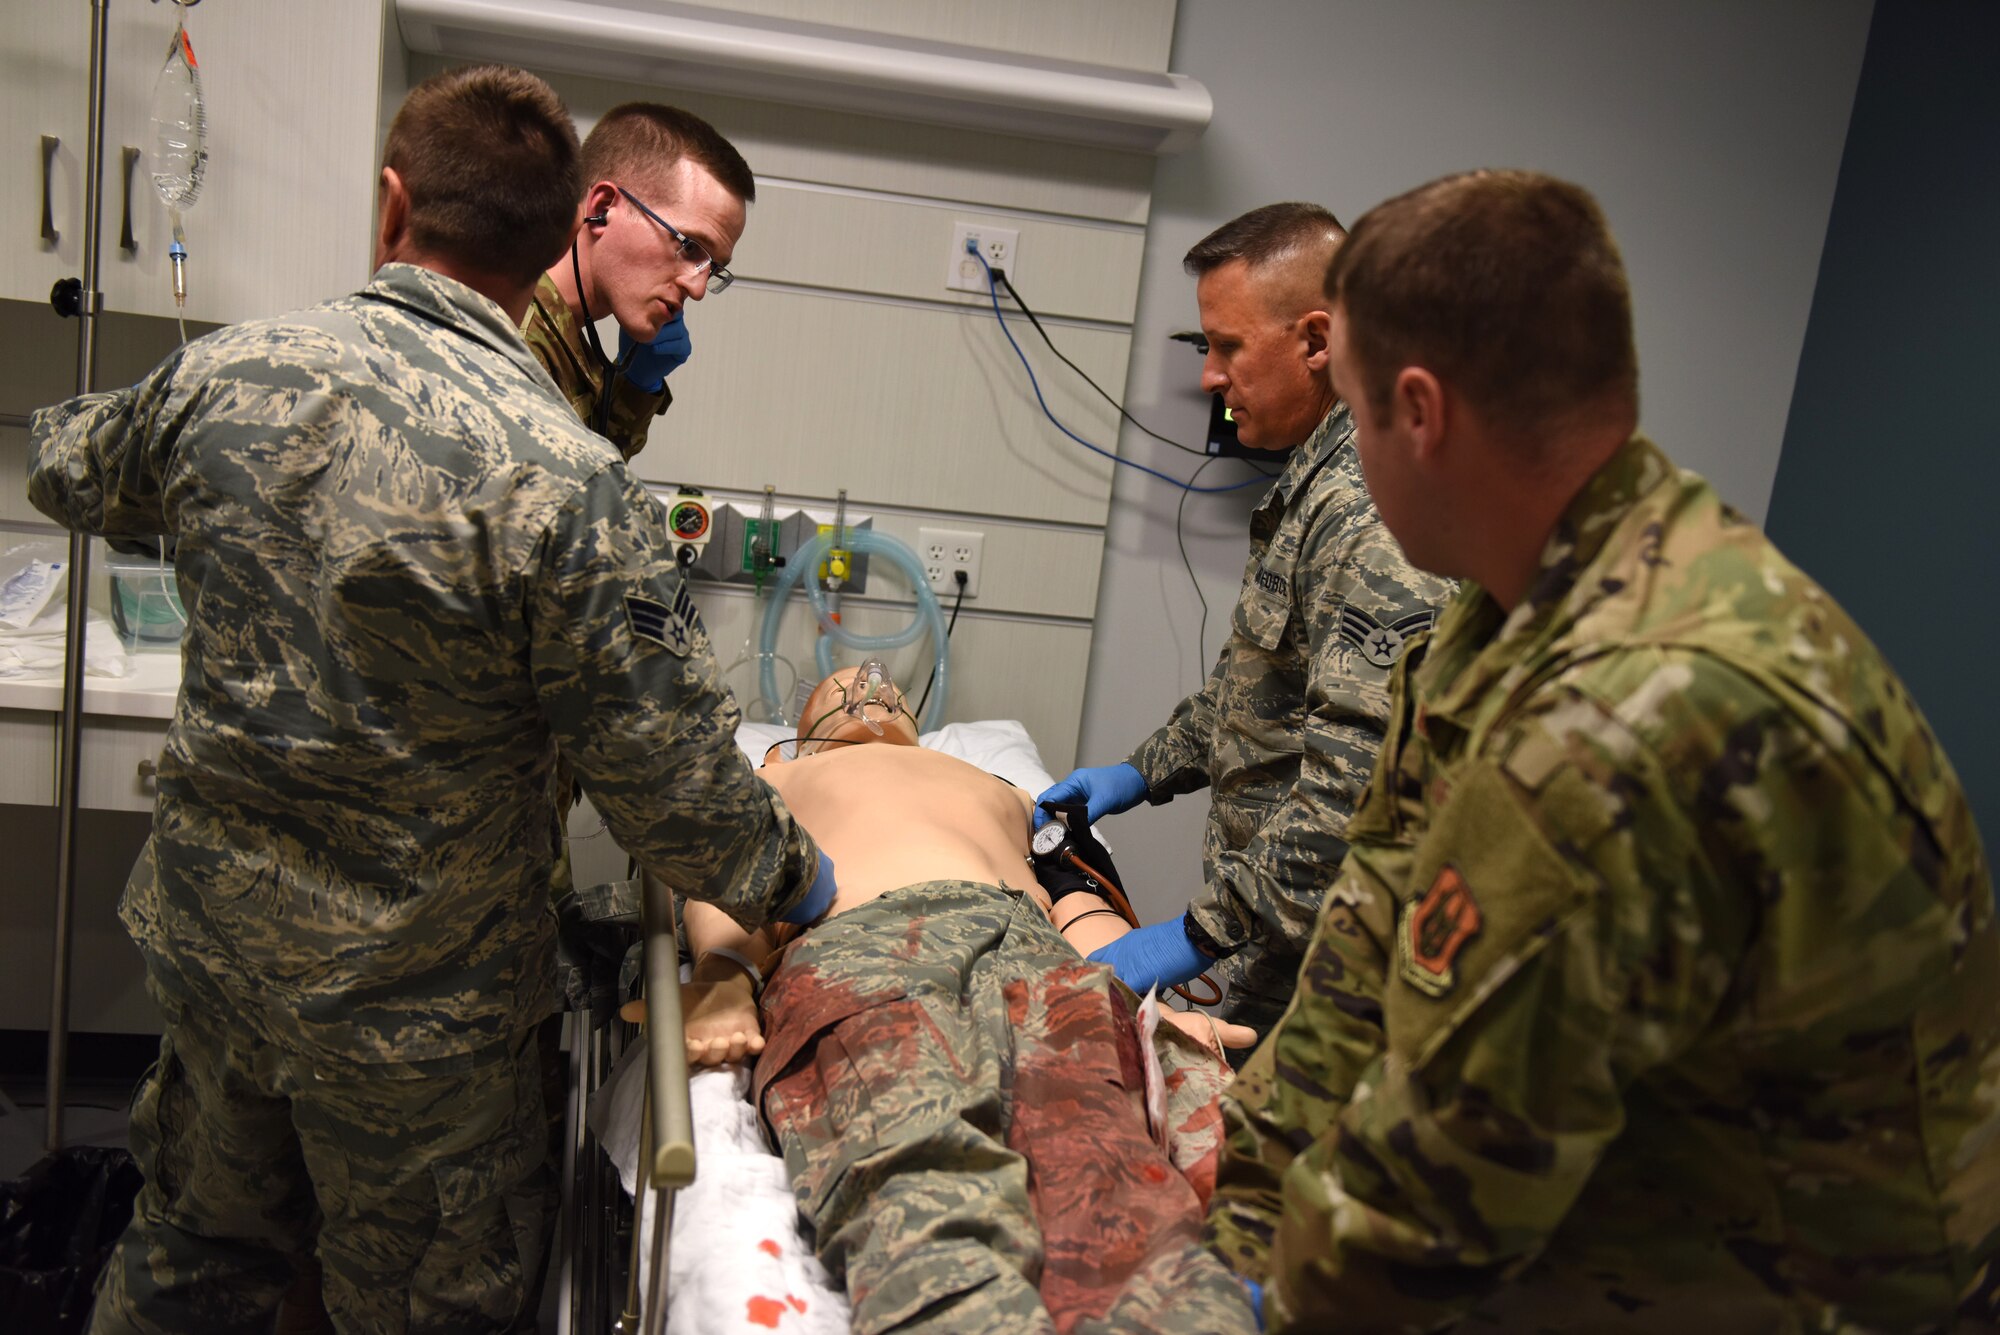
(1156, 955)
(1108, 789)
(1256, 1300)
(653, 362)
(818, 899)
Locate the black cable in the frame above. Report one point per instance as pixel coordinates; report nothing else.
(957, 603)
(1008, 283)
(1180, 541)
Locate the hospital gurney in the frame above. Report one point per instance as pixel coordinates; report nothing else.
(739, 1251)
(601, 1269)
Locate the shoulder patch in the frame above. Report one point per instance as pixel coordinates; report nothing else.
(1381, 643)
(1270, 581)
(1433, 930)
(671, 627)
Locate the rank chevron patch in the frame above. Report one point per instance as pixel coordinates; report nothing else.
(671, 627)
(1381, 643)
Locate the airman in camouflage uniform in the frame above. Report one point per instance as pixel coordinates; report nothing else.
(1660, 990)
(580, 374)
(1285, 728)
(412, 579)
(960, 1101)
(626, 265)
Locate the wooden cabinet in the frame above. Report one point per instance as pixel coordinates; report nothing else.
(284, 216)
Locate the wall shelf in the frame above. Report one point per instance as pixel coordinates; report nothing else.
(819, 65)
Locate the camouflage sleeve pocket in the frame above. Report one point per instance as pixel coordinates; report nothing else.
(1262, 617)
(1487, 892)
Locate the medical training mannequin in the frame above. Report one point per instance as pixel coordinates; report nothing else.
(960, 1096)
(949, 819)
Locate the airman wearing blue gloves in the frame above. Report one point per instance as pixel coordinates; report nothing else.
(1284, 732)
(664, 206)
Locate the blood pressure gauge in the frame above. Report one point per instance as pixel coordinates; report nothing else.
(1066, 831)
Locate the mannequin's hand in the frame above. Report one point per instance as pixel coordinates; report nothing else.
(720, 1021)
(1211, 1033)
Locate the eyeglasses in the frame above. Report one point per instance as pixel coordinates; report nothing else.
(693, 254)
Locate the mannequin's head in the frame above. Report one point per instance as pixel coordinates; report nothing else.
(842, 707)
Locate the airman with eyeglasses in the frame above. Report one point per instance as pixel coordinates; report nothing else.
(664, 205)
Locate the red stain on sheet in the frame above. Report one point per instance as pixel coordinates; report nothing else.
(1155, 1174)
(765, 1312)
(798, 1303)
(770, 1248)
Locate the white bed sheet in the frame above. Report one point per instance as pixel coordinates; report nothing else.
(739, 1261)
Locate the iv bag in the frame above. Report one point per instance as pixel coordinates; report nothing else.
(180, 126)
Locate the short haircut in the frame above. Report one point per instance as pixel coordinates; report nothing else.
(1504, 284)
(489, 156)
(640, 141)
(1273, 234)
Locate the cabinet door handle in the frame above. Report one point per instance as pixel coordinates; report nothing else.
(126, 241)
(49, 146)
(148, 771)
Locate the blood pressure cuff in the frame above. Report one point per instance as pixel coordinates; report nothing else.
(1063, 877)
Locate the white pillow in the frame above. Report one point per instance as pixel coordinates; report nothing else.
(999, 746)
(757, 738)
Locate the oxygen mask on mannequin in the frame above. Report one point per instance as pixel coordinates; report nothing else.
(872, 686)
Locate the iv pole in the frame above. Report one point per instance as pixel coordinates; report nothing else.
(88, 304)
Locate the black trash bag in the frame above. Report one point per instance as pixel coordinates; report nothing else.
(58, 1224)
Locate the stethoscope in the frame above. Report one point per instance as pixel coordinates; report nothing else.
(600, 413)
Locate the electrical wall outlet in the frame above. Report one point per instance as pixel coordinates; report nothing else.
(946, 551)
(1000, 245)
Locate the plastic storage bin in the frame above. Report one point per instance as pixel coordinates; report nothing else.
(145, 600)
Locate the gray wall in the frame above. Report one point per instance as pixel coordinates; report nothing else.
(1711, 132)
(1890, 466)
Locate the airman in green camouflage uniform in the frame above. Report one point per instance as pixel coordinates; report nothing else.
(1660, 990)
(1285, 729)
(580, 374)
(646, 167)
(623, 264)
(412, 579)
